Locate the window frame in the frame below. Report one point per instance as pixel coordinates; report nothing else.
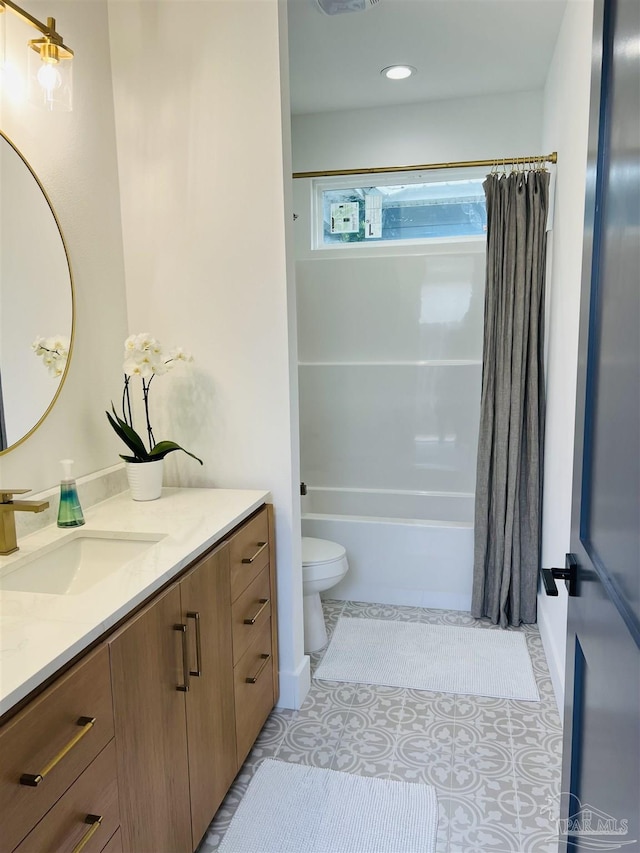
(357, 181)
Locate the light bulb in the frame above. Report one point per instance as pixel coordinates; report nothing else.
(50, 75)
(398, 72)
(49, 78)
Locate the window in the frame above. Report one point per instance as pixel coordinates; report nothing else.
(414, 210)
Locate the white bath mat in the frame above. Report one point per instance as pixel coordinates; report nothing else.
(290, 808)
(477, 661)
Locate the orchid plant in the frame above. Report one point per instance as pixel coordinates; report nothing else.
(54, 352)
(145, 358)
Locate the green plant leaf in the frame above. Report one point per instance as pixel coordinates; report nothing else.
(163, 447)
(124, 424)
(129, 436)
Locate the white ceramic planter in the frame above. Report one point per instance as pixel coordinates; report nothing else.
(145, 479)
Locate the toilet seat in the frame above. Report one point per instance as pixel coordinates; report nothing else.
(316, 552)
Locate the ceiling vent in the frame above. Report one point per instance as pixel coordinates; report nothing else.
(338, 7)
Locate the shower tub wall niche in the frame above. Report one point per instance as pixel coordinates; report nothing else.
(403, 547)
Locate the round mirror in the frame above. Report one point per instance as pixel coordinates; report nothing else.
(36, 300)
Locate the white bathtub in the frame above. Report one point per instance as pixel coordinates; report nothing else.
(413, 548)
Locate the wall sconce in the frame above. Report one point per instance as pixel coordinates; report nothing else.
(49, 63)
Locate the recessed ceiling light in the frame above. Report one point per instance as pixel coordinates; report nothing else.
(398, 72)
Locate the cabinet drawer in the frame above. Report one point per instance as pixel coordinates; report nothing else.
(249, 612)
(50, 735)
(249, 552)
(93, 795)
(253, 678)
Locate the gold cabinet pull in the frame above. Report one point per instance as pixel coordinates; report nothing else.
(32, 780)
(252, 619)
(193, 614)
(261, 547)
(184, 688)
(251, 679)
(95, 820)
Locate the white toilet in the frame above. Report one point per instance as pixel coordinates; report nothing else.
(324, 564)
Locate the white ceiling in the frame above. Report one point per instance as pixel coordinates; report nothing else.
(460, 48)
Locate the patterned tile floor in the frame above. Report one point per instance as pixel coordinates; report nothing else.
(495, 763)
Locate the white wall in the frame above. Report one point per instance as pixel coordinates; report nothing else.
(74, 156)
(200, 143)
(566, 115)
(476, 128)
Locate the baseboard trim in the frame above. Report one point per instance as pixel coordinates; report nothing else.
(552, 653)
(295, 685)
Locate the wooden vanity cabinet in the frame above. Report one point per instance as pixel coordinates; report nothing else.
(173, 704)
(181, 733)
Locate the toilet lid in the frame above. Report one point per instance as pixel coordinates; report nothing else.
(316, 551)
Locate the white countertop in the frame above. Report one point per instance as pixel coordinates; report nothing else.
(40, 632)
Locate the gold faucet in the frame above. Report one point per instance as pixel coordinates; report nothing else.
(8, 541)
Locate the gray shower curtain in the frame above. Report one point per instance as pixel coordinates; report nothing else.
(510, 445)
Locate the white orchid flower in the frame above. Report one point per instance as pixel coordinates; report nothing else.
(143, 357)
(54, 352)
(179, 354)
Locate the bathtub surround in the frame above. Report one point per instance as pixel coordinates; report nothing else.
(390, 344)
(511, 436)
(289, 808)
(402, 548)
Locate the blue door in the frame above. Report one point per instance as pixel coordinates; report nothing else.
(601, 771)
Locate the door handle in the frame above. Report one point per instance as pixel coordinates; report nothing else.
(186, 672)
(569, 575)
(195, 615)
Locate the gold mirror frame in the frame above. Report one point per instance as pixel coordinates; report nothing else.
(73, 300)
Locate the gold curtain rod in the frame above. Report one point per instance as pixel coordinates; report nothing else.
(507, 161)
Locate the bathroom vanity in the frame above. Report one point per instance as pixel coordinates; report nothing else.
(134, 738)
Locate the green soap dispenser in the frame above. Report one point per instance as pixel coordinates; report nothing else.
(69, 511)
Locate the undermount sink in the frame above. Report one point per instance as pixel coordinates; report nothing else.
(76, 564)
